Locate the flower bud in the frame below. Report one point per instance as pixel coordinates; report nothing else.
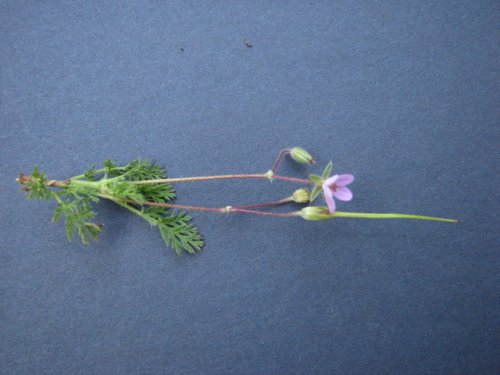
(301, 196)
(315, 213)
(301, 156)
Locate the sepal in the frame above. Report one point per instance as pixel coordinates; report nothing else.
(315, 213)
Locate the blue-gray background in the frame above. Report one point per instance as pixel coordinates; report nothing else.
(404, 95)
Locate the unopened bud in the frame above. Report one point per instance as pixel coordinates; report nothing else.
(301, 156)
(315, 213)
(301, 196)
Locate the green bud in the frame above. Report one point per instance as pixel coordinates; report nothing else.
(301, 196)
(315, 213)
(301, 156)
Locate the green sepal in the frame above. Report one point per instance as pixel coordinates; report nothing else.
(327, 171)
(315, 192)
(317, 180)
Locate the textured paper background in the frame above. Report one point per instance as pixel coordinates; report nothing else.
(404, 95)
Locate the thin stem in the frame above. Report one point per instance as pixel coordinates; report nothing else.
(128, 207)
(221, 177)
(245, 210)
(255, 212)
(225, 210)
(102, 170)
(268, 204)
(294, 179)
(90, 184)
(185, 207)
(80, 176)
(201, 178)
(281, 155)
(56, 197)
(365, 215)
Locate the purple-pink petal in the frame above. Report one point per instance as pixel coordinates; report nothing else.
(327, 193)
(330, 181)
(342, 193)
(344, 179)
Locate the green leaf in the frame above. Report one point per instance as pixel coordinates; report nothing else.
(327, 171)
(75, 190)
(111, 169)
(157, 192)
(109, 164)
(90, 174)
(77, 213)
(89, 231)
(37, 186)
(181, 236)
(57, 213)
(74, 201)
(124, 190)
(174, 227)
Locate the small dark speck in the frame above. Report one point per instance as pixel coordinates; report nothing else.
(248, 44)
(181, 49)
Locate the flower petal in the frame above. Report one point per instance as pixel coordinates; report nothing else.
(343, 193)
(327, 193)
(344, 179)
(330, 181)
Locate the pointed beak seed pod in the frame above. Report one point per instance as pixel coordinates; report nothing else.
(315, 213)
(301, 196)
(301, 156)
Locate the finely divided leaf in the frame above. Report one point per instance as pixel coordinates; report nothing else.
(78, 216)
(75, 197)
(175, 229)
(180, 235)
(37, 186)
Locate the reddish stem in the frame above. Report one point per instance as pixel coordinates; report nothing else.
(228, 209)
(293, 179)
(221, 177)
(281, 155)
(181, 206)
(269, 204)
(255, 212)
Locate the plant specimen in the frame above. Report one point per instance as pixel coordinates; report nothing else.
(143, 188)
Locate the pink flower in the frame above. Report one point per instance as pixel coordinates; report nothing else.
(335, 186)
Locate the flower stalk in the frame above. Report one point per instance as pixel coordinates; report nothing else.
(366, 215)
(222, 177)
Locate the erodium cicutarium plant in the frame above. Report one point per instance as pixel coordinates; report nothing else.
(142, 187)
